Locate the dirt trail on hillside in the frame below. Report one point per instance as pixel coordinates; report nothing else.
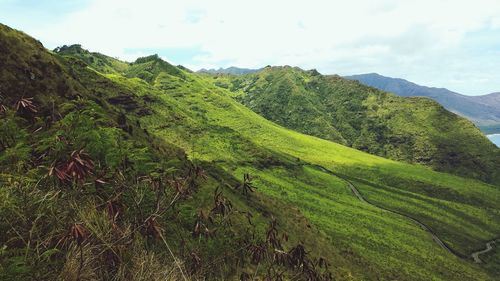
(441, 243)
(423, 226)
(489, 247)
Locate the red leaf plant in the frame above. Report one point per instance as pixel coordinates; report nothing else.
(78, 233)
(78, 167)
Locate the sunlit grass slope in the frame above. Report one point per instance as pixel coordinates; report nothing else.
(220, 112)
(211, 126)
(414, 130)
(87, 193)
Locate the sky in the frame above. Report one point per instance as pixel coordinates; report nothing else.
(439, 43)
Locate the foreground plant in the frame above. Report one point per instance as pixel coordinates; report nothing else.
(25, 104)
(78, 167)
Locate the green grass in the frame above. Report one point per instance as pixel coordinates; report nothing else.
(414, 130)
(98, 61)
(390, 245)
(172, 111)
(78, 108)
(456, 222)
(491, 259)
(206, 122)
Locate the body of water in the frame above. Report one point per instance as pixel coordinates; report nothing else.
(495, 139)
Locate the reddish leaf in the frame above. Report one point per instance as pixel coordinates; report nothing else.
(78, 233)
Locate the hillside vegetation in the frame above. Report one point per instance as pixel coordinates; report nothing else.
(153, 134)
(87, 193)
(414, 130)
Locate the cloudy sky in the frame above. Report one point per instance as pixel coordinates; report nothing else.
(441, 43)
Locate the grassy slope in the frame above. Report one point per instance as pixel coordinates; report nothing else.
(211, 126)
(206, 122)
(101, 63)
(79, 108)
(259, 132)
(415, 130)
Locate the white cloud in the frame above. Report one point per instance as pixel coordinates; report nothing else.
(402, 38)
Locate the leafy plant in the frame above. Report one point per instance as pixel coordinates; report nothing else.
(246, 186)
(26, 104)
(78, 167)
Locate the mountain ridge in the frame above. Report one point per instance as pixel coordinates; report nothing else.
(411, 129)
(233, 70)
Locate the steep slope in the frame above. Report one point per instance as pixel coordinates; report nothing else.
(315, 207)
(484, 111)
(87, 193)
(207, 122)
(415, 130)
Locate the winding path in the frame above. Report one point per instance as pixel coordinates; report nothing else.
(423, 226)
(489, 247)
(441, 243)
(474, 256)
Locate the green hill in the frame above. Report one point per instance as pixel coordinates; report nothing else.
(88, 193)
(414, 130)
(172, 136)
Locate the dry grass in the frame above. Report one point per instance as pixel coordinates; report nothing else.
(148, 266)
(79, 264)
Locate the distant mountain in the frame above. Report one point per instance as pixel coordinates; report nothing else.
(492, 100)
(484, 111)
(230, 70)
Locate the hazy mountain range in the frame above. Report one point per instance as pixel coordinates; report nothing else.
(483, 110)
(230, 70)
